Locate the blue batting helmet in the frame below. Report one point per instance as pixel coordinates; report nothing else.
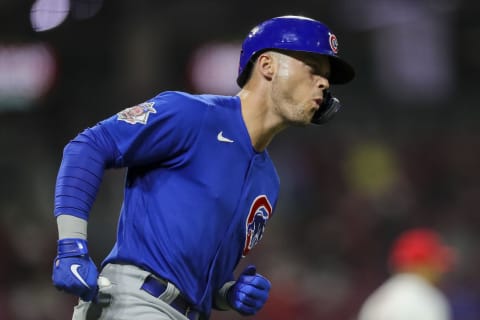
(293, 33)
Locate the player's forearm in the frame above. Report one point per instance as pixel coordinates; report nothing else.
(81, 172)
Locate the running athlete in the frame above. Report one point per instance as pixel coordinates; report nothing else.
(200, 185)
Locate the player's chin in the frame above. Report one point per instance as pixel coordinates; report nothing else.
(308, 117)
(302, 119)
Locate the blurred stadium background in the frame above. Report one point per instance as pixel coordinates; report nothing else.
(404, 152)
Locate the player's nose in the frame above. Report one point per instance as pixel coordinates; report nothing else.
(322, 82)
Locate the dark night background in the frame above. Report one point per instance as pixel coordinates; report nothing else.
(404, 151)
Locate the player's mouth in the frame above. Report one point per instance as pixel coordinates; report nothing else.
(318, 103)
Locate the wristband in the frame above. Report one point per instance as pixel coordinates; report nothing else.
(72, 248)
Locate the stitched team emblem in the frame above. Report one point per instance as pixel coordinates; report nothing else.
(332, 39)
(259, 213)
(138, 113)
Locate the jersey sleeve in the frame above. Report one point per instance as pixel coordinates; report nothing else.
(158, 130)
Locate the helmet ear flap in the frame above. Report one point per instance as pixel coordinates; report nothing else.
(329, 108)
(246, 72)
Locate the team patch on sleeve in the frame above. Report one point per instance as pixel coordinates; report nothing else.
(137, 114)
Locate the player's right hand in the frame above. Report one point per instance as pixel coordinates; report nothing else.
(74, 271)
(250, 292)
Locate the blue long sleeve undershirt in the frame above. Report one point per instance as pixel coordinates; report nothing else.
(85, 159)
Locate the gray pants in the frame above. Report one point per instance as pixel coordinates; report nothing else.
(121, 298)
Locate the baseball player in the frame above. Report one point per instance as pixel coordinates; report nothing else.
(200, 185)
(419, 260)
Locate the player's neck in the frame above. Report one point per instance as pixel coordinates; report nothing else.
(261, 125)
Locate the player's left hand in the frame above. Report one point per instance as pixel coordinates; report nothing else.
(250, 292)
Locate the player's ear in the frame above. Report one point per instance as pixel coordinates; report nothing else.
(266, 64)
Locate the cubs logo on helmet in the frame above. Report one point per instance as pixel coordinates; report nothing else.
(260, 212)
(332, 39)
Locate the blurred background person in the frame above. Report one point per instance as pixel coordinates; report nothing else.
(418, 261)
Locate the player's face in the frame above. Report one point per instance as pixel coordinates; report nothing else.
(298, 84)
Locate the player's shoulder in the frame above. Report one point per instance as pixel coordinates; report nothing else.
(190, 99)
(175, 95)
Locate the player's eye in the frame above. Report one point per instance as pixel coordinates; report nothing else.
(317, 70)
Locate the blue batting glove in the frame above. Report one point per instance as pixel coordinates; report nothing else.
(249, 293)
(74, 271)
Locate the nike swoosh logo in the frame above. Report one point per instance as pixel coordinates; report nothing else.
(221, 138)
(74, 269)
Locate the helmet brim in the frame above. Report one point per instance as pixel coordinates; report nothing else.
(341, 72)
